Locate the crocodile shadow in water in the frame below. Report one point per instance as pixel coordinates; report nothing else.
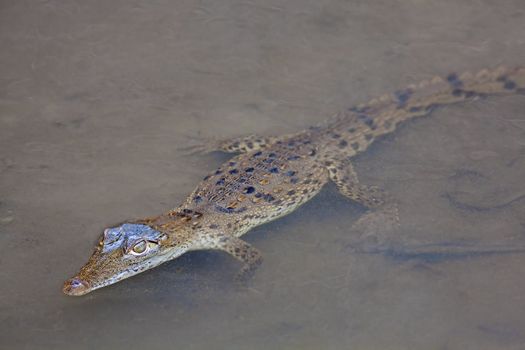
(432, 253)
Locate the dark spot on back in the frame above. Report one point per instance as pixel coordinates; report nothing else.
(231, 163)
(294, 180)
(430, 108)
(290, 193)
(212, 226)
(271, 155)
(220, 182)
(233, 171)
(290, 173)
(367, 120)
(257, 154)
(249, 170)
(370, 124)
(294, 157)
(274, 170)
(454, 81)
(249, 190)
(355, 146)
(358, 110)
(229, 209)
(197, 199)
(343, 143)
(457, 92)
(470, 94)
(268, 197)
(219, 171)
(402, 97)
(351, 130)
(509, 85)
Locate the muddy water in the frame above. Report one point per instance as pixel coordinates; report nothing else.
(98, 97)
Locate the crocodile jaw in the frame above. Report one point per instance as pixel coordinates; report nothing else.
(99, 273)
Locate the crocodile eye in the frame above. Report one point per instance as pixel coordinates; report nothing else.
(139, 247)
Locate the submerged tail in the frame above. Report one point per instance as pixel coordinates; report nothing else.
(363, 123)
(420, 99)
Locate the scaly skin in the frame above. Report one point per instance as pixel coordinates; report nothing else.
(271, 177)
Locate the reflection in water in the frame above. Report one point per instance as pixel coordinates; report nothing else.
(433, 253)
(97, 99)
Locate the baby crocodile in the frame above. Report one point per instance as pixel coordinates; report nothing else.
(271, 177)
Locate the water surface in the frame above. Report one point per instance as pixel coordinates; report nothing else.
(97, 98)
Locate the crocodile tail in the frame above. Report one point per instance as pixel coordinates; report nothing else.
(421, 99)
(383, 114)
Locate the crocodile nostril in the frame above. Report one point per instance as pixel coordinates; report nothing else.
(76, 286)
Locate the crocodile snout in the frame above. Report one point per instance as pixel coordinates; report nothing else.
(76, 287)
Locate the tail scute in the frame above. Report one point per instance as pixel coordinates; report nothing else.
(451, 89)
(361, 125)
(419, 99)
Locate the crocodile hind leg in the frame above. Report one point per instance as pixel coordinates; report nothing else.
(242, 251)
(382, 217)
(241, 144)
(345, 178)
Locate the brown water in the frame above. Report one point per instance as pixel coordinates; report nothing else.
(98, 97)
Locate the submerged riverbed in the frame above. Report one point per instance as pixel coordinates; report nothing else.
(98, 100)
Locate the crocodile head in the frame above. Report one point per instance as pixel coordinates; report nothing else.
(124, 251)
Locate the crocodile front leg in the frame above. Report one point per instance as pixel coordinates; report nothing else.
(241, 251)
(342, 173)
(382, 217)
